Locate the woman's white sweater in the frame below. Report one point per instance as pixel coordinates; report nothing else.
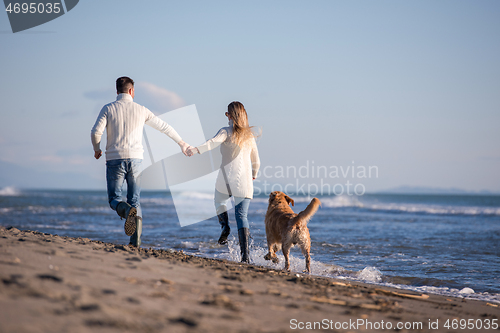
(241, 164)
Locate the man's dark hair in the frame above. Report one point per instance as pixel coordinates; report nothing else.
(123, 84)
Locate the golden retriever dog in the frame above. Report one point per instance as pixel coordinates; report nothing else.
(285, 229)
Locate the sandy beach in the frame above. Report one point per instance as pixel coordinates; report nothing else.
(60, 284)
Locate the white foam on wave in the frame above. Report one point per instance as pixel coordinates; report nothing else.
(370, 274)
(10, 191)
(66, 210)
(436, 209)
(340, 201)
(188, 195)
(189, 245)
(467, 291)
(197, 195)
(157, 201)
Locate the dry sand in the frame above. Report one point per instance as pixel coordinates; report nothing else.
(60, 284)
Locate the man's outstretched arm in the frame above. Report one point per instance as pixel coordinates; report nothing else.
(165, 128)
(97, 131)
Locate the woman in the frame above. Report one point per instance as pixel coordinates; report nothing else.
(240, 164)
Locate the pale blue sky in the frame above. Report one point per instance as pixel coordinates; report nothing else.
(411, 87)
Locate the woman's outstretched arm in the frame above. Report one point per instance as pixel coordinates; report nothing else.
(254, 157)
(214, 142)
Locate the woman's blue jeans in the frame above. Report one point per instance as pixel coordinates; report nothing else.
(240, 211)
(119, 171)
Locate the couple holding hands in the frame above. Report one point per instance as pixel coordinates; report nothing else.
(124, 121)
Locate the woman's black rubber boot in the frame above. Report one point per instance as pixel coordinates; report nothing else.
(244, 236)
(224, 223)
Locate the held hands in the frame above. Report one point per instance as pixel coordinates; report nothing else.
(187, 149)
(184, 147)
(192, 151)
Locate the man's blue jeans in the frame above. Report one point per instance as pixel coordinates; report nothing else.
(240, 211)
(119, 171)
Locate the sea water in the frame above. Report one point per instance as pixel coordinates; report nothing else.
(444, 244)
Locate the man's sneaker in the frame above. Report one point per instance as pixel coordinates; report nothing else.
(135, 239)
(129, 213)
(130, 224)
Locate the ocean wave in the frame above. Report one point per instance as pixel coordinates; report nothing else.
(341, 201)
(358, 202)
(157, 201)
(10, 191)
(197, 195)
(436, 209)
(65, 210)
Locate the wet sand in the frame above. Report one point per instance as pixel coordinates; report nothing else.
(50, 283)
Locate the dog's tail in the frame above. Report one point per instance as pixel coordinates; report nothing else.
(304, 216)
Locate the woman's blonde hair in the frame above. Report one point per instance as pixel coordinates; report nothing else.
(242, 132)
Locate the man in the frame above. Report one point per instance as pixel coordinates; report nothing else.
(124, 122)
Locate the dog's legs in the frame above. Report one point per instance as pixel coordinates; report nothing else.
(271, 255)
(275, 258)
(286, 252)
(306, 252)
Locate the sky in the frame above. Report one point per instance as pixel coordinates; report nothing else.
(409, 88)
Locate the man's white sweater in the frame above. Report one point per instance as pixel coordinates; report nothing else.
(124, 122)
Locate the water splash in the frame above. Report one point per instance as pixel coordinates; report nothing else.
(467, 291)
(370, 274)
